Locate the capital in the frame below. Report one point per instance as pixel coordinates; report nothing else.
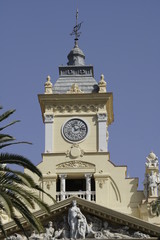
(88, 175)
(48, 118)
(63, 176)
(102, 117)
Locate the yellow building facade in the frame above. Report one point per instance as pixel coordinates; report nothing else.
(76, 168)
(77, 112)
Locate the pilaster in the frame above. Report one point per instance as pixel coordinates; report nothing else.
(88, 186)
(62, 185)
(102, 132)
(49, 118)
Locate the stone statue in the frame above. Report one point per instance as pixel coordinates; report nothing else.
(35, 236)
(97, 228)
(140, 235)
(77, 222)
(153, 184)
(58, 234)
(16, 236)
(49, 232)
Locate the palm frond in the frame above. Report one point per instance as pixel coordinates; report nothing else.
(18, 191)
(6, 114)
(7, 203)
(8, 125)
(29, 217)
(19, 224)
(6, 138)
(14, 143)
(6, 158)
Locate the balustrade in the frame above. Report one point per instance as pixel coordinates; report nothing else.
(80, 194)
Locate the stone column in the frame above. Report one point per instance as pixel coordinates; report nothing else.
(102, 132)
(63, 185)
(88, 186)
(48, 132)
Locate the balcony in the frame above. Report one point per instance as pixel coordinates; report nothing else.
(81, 194)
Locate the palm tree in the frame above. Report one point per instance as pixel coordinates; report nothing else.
(18, 191)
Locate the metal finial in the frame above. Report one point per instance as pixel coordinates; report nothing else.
(76, 29)
(77, 16)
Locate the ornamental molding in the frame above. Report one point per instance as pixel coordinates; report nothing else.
(84, 70)
(102, 117)
(75, 151)
(49, 183)
(76, 108)
(75, 164)
(75, 89)
(48, 118)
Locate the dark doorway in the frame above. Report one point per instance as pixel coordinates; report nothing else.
(75, 185)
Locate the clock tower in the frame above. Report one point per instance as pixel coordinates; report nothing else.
(76, 112)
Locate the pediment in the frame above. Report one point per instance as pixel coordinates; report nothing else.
(105, 223)
(75, 164)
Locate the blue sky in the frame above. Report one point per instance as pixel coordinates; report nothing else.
(120, 38)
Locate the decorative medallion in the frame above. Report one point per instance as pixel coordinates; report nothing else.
(75, 151)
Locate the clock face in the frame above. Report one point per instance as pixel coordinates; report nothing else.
(75, 130)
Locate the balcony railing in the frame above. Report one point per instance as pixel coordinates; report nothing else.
(81, 194)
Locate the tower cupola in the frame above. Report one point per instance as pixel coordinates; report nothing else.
(76, 56)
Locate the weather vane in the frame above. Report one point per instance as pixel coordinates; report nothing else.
(76, 29)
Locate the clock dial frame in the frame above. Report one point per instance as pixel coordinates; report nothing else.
(75, 130)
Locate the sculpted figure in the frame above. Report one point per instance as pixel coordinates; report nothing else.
(77, 222)
(49, 232)
(35, 236)
(58, 233)
(153, 184)
(16, 237)
(90, 231)
(140, 235)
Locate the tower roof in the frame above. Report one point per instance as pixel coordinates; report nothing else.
(76, 72)
(76, 56)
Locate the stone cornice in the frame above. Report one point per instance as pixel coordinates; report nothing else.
(63, 99)
(86, 153)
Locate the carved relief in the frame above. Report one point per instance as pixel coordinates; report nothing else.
(79, 71)
(101, 182)
(152, 160)
(75, 164)
(74, 224)
(102, 116)
(75, 89)
(48, 118)
(77, 108)
(49, 108)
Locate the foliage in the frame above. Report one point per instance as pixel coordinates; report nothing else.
(18, 191)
